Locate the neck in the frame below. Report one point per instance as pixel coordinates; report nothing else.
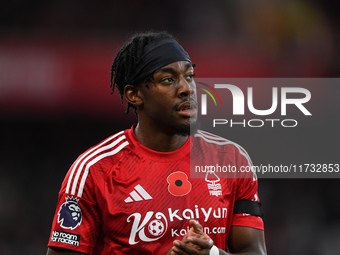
(158, 140)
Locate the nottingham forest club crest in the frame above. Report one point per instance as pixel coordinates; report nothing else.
(69, 215)
(214, 187)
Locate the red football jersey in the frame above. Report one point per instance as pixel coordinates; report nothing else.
(120, 197)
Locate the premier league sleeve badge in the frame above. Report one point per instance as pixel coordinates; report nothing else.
(69, 215)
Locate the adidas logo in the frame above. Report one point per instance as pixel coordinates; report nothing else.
(138, 194)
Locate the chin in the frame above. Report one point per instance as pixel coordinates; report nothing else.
(186, 129)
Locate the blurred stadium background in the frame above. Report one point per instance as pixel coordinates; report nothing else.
(55, 102)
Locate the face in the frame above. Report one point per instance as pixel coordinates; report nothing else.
(170, 102)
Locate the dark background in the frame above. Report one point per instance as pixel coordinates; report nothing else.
(55, 101)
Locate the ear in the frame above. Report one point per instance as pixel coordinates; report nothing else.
(133, 95)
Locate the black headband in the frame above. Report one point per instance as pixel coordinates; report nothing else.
(157, 54)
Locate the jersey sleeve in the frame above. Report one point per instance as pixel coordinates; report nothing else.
(76, 221)
(246, 190)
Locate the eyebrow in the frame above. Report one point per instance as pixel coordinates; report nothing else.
(171, 70)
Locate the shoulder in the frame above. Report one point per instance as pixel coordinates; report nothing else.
(98, 160)
(112, 146)
(208, 139)
(224, 150)
(221, 144)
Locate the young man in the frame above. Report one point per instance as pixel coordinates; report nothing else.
(133, 194)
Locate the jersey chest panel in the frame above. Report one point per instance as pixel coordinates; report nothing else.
(149, 202)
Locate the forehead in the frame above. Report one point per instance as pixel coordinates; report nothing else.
(179, 66)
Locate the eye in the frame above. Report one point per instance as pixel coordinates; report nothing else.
(190, 77)
(167, 80)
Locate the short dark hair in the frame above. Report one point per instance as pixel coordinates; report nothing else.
(127, 58)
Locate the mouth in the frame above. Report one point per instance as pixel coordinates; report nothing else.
(187, 109)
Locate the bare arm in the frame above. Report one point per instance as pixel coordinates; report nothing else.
(245, 240)
(60, 251)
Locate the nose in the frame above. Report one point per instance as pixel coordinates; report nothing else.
(185, 88)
